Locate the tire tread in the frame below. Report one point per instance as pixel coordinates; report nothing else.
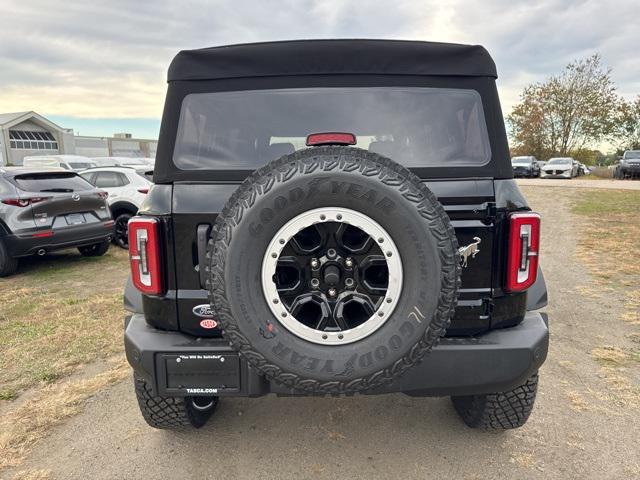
(499, 411)
(167, 413)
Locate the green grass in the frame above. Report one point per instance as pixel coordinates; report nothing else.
(609, 202)
(58, 313)
(609, 231)
(8, 394)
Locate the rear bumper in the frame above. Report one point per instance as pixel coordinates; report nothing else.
(497, 361)
(25, 244)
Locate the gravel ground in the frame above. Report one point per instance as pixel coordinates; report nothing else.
(578, 429)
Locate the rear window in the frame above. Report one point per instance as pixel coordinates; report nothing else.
(109, 179)
(414, 126)
(81, 165)
(51, 182)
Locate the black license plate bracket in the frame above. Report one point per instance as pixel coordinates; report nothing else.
(199, 373)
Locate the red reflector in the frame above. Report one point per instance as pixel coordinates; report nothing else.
(144, 255)
(524, 248)
(143, 190)
(331, 138)
(48, 233)
(23, 202)
(109, 224)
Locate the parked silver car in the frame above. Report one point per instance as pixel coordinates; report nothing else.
(46, 210)
(560, 167)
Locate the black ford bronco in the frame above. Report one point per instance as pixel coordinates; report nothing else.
(335, 217)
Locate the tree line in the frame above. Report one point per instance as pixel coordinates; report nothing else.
(570, 113)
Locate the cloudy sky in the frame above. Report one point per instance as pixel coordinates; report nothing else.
(100, 68)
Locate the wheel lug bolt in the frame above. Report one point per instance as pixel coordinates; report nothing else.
(332, 292)
(348, 282)
(315, 283)
(348, 262)
(331, 253)
(314, 263)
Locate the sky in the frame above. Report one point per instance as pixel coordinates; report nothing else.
(100, 67)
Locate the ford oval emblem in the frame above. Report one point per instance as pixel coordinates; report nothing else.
(203, 311)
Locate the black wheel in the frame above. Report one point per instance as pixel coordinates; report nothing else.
(95, 250)
(323, 249)
(121, 230)
(8, 264)
(498, 411)
(170, 413)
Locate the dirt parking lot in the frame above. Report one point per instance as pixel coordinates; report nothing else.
(585, 424)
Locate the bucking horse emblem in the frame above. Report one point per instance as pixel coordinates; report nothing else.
(470, 250)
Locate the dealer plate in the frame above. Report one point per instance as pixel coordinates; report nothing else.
(202, 374)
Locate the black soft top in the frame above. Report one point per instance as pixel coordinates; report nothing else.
(332, 57)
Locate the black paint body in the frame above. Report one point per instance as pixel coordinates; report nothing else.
(489, 344)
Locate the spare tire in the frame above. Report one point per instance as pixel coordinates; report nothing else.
(333, 270)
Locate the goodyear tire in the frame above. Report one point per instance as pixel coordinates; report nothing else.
(498, 411)
(172, 413)
(393, 218)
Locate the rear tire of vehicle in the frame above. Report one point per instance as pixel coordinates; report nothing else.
(172, 413)
(95, 250)
(120, 230)
(8, 264)
(498, 411)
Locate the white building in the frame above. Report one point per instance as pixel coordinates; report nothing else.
(28, 133)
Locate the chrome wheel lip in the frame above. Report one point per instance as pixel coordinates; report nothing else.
(340, 215)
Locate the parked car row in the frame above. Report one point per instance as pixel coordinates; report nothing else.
(47, 210)
(78, 163)
(557, 167)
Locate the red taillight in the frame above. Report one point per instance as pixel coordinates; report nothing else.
(524, 248)
(45, 234)
(331, 138)
(24, 202)
(143, 190)
(144, 253)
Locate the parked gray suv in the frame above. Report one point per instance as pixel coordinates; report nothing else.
(46, 210)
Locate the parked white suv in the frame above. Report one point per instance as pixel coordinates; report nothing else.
(127, 188)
